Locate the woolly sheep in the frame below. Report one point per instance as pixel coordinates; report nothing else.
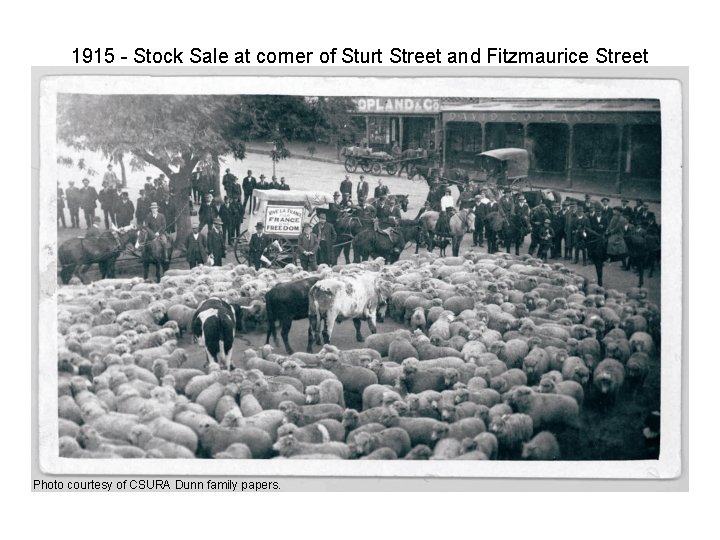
(512, 431)
(542, 447)
(575, 369)
(394, 438)
(400, 349)
(608, 378)
(549, 385)
(508, 379)
(487, 443)
(636, 371)
(289, 446)
(642, 342)
(545, 409)
(328, 391)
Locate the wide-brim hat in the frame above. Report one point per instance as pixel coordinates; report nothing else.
(85, 180)
(262, 176)
(259, 226)
(154, 205)
(605, 199)
(125, 194)
(307, 226)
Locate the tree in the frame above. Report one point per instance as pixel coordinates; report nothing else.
(175, 133)
(279, 151)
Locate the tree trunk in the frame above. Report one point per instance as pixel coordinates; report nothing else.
(216, 174)
(180, 185)
(123, 174)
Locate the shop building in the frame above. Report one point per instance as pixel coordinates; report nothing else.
(610, 141)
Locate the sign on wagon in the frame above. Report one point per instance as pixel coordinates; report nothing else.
(285, 220)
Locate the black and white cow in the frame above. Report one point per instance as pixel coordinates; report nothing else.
(213, 326)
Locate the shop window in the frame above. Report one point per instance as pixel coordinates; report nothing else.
(595, 147)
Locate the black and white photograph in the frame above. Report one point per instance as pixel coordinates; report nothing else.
(360, 276)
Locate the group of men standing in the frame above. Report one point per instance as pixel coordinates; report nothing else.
(244, 191)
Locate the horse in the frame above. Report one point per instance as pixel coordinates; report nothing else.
(596, 245)
(153, 253)
(643, 252)
(371, 243)
(347, 227)
(77, 255)
(513, 232)
(461, 222)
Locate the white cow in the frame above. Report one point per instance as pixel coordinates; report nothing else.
(360, 297)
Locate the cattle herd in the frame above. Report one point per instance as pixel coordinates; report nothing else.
(488, 356)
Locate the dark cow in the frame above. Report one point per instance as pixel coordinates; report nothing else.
(213, 326)
(287, 302)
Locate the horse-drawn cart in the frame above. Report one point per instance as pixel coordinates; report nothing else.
(283, 213)
(413, 161)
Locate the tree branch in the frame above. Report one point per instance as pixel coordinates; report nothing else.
(152, 160)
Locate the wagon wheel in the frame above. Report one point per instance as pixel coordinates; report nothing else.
(241, 248)
(376, 168)
(351, 164)
(286, 255)
(366, 165)
(391, 168)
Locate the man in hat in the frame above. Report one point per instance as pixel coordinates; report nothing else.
(346, 202)
(274, 184)
(195, 185)
(327, 239)
(283, 186)
(110, 179)
(581, 222)
(88, 202)
(307, 249)
(363, 188)
(538, 215)
(72, 196)
(346, 186)
(196, 249)
(557, 222)
(569, 226)
(522, 209)
(221, 211)
(381, 189)
(626, 212)
(480, 211)
(93, 230)
(248, 185)
(161, 188)
(588, 203)
(216, 242)
(235, 210)
(262, 184)
(643, 215)
(229, 182)
(259, 243)
(596, 220)
(334, 209)
(605, 211)
(547, 234)
(142, 208)
(507, 206)
(124, 210)
(106, 198)
(205, 212)
(155, 224)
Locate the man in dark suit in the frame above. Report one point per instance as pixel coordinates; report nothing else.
(88, 202)
(248, 185)
(346, 186)
(262, 183)
(625, 211)
(195, 248)
(643, 215)
(60, 205)
(258, 244)
(205, 213)
(155, 225)
(381, 189)
(327, 237)
(142, 208)
(106, 198)
(124, 211)
(72, 196)
(307, 249)
(596, 220)
(283, 185)
(215, 242)
(605, 211)
(274, 184)
(229, 182)
(363, 188)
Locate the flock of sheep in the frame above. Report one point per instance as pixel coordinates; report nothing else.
(498, 360)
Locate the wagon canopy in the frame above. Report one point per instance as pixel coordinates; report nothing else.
(284, 212)
(510, 163)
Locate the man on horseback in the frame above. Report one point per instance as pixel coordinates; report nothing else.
(388, 216)
(155, 226)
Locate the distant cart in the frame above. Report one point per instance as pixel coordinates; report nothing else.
(377, 162)
(283, 213)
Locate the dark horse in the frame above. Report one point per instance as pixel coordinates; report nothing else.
(596, 245)
(347, 227)
(513, 232)
(371, 243)
(153, 253)
(77, 255)
(643, 251)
